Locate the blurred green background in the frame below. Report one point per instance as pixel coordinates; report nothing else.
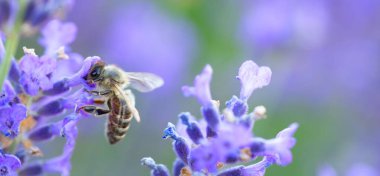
(324, 56)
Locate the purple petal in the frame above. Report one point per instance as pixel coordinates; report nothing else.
(36, 73)
(9, 164)
(205, 157)
(57, 34)
(288, 132)
(87, 64)
(8, 93)
(201, 89)
(251, 77)
(67, 67)
(281, 145)
(29, 62)
(11, 117)
(259, 168)
(29, 86)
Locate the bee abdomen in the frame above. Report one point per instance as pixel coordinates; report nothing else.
(117, 127)
(119, 119)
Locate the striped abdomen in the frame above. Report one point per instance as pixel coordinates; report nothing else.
(119, 118)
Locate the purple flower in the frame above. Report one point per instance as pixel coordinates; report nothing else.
(67, 67)
(38, 12)
(8, 94)
(206, 157)
(279, 147)
(57, 34)
(9, 165)
(5, 12)
(11, 117)
(201, 89)
(252, 77)
(46, 132)
(230, 139)
(229, 135)
(36, 73)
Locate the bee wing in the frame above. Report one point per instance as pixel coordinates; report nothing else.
(144, 82)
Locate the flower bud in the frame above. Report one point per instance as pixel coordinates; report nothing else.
(177, 167)
(32, 170)
(52, 108)
(210, 132)
(45, 133)
(156, 169)
(58, 87)
(193, 130)
(211, 115)
(180, 146)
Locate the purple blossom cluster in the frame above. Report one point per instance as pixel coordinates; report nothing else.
(41, 95)
(217, 143)
(36, 14)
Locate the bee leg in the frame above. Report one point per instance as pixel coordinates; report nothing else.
(106, 92)
(94, 110)
(99, 101)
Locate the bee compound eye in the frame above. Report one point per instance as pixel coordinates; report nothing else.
(96, 72)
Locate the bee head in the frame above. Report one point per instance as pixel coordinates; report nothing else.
(95, 73)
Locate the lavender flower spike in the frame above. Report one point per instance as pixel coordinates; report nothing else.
(9, 165)
(251, 77)
(220, 140)
(201, 89)
(157, 169)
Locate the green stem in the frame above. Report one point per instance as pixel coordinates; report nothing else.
(12, 43)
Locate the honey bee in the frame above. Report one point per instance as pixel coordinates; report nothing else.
(113, 85)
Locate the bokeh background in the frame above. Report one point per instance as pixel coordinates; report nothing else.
(324, 55)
